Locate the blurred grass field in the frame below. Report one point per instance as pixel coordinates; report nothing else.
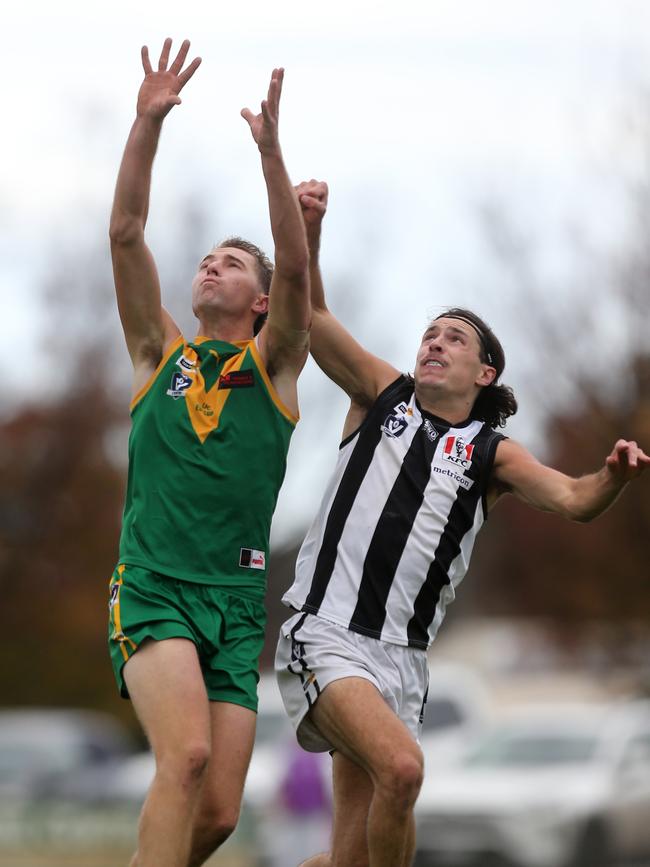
(66, 835)
(114, 858)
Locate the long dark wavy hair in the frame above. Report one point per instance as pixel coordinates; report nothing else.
(495, 403)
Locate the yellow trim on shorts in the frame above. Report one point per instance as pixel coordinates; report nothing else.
(118, 635)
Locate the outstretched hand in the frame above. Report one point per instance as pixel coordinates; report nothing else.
(159, 91)
(264, 126)
(626, 461)
(312, 196)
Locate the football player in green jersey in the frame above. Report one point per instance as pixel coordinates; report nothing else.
(211, 423)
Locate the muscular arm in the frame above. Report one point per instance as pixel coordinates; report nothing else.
(358, 372)
(517, 472)
(134, 269)
(147, 327)
(284, 340)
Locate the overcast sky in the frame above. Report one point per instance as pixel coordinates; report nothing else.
(415, 113)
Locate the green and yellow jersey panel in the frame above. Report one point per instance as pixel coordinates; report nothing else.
(207, 456)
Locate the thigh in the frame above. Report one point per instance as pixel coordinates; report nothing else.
(233, 637)
(353, 715)
(311, 654)
(166, 686)
(232, 733)
(143, 605)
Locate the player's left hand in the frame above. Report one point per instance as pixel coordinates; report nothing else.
(264, 126)
(626, 461)
(312, 196)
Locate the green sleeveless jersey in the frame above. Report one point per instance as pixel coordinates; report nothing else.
(207, 456)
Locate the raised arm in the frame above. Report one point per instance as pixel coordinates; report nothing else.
(147, 327)
(517, 472)
(284, 339)
(360, 374)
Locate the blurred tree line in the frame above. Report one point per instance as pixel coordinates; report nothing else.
(63, 474)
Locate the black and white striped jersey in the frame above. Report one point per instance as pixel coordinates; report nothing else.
(397, 524)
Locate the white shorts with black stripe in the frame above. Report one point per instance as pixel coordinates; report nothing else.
(313, 652)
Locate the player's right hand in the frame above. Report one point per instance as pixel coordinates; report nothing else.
(159, 91)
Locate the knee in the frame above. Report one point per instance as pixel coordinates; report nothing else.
(402, 778)
(185, 764)
(211, 830)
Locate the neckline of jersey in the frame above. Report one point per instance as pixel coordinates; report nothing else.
(442, 422)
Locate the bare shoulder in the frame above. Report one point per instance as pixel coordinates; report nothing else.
(362, 403)
(366, 379)
(355, 417)
(283, 366)
(384, 375)
(151, 356)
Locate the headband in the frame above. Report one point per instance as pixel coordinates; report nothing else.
(482, 338)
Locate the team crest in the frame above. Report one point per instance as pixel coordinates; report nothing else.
(457, 451)
(396, 421)
(394, 425)
(179, 384)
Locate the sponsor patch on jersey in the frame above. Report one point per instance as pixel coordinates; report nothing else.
(237, 379)
(179, 384)
(457, 451)
(249, 558)
(463, 481)
(430, 430)
(186, 363)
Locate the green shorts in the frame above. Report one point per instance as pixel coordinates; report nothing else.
(228, 631)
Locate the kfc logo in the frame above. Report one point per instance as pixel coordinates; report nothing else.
(458, 452)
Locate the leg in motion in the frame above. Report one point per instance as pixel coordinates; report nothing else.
(232, 734)
(373, 741)
(166, 686)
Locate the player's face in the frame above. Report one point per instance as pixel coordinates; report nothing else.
(226, 281)
(449, 357)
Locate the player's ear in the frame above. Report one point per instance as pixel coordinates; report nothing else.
(261, 304)
(487, 376)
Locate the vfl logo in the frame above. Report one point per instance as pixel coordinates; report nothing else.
(179, 385)
(458, 452)
(430, 430)
(395, 422)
